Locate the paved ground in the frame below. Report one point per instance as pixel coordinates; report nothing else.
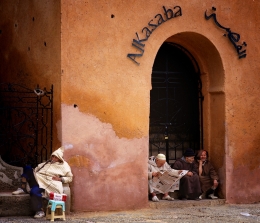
(165, 212)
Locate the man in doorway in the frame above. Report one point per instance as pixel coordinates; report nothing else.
(155, 166)
(189, 183)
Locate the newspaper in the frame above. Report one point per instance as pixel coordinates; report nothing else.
(167, 181)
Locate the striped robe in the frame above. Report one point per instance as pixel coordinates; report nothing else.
(44, 175)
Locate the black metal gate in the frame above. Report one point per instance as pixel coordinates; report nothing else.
(26, 118)
(175, 103)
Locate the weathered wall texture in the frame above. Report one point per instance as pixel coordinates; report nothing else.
(109, 171)
(105, 95)
(109, 90)
(30, 46)
(102, 86)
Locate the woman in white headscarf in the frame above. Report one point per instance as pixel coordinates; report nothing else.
(45, 178)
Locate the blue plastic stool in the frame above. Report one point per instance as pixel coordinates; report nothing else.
(52, 206)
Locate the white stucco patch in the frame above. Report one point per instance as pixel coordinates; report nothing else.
(68, 146)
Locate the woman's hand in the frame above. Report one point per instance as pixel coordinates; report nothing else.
(56, 178)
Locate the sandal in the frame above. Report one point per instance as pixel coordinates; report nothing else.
(168, 198)
(155, 199)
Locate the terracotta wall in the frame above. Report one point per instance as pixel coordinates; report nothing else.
(105, 106)
(105, 95)
(30, 52)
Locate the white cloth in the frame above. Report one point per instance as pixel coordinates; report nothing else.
(59, 169)
(152, 167)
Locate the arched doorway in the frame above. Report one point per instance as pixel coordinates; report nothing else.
(175, 103)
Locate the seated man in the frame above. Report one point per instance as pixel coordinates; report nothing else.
(45, 178)
(155, 165)
(189, 183)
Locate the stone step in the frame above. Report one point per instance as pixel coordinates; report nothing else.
(186, 203)
(19, 205)
(15, 205)
(183, 203)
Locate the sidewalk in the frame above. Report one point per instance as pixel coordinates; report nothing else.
(164, 212)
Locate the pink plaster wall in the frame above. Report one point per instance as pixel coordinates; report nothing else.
(109, 172)
(108, 89)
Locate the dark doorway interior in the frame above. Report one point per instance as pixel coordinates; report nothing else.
(175, 103)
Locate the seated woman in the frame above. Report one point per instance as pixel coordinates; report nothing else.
(189, 183)
(155, 165)
(207, 174)
(45, 178)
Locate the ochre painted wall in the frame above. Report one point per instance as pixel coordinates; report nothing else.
(30, 51)
(105, 95)
(103, 114)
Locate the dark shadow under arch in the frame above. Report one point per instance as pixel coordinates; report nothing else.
(175, 103)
